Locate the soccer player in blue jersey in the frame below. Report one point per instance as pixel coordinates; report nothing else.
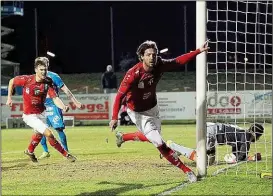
(54, 115)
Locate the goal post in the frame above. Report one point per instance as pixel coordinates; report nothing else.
(201, 88)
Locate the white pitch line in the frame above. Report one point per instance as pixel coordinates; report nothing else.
(177, 188)
(181, 186)
(224, 169)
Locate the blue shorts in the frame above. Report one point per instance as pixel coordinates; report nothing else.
(54, 117)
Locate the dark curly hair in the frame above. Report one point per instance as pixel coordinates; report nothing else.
(144, 46)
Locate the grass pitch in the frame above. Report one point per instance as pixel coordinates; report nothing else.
(133, 169)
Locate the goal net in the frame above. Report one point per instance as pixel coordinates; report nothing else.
(239, 77)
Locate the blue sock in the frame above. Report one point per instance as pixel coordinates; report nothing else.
(62, 137)
(43, 143)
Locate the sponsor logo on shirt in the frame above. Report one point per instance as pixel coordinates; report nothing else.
(27, 90)
(146, 95)
(55, 119)
(141, 84)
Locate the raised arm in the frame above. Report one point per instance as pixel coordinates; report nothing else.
(170, 64)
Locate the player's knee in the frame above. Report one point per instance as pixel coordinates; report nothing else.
(155, 138)
(48, 133)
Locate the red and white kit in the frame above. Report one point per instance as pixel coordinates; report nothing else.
(139, 89)
(34, 95)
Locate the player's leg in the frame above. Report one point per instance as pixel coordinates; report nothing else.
(36, 122)
(44, 145)
(182, 150)
(155, 137)
(149, 124)
(56, 120)
(55, 144)
(211, 143)
(135, 136)
(45, 153)
(62, 136)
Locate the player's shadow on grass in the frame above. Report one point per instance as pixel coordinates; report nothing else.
(105, 153)
(18, 166)
(17, 161)
(116, 191)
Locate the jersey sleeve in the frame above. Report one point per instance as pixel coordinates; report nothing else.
(125, 86)
(20, 80)
(58, 81)
(51, 92)
(171, 64)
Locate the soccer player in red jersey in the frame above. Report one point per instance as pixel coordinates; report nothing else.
(139, 88)
(35, 89)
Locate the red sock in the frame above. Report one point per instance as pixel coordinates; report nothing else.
(136, 136)
(168, 154)
(55, 144)
(35, 140)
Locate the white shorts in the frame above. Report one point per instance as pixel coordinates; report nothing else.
(149, 123)
(36, 121)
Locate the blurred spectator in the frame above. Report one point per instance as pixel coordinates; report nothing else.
(109, 80)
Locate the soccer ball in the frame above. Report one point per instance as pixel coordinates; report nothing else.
(230, 158)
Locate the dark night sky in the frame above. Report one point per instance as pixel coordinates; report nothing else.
(79, 32)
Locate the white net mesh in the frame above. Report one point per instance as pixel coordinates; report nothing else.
(240, 75)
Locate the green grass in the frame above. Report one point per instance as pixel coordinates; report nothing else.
(133, 169)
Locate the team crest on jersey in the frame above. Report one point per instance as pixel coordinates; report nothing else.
(27, 90)
(37, 91)
(141, 84)
(46, 87)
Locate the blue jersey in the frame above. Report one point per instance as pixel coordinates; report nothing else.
(57, 82)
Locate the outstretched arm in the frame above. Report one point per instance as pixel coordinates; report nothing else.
(170, 64)
(69, 94)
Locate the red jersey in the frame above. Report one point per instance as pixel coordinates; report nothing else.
(34, 93)
(139, 86)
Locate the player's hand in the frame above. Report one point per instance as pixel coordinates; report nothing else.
(79, 105)
(113, 124)
(205, 47)
(66, 109)
(256, 157)
(9, 102)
